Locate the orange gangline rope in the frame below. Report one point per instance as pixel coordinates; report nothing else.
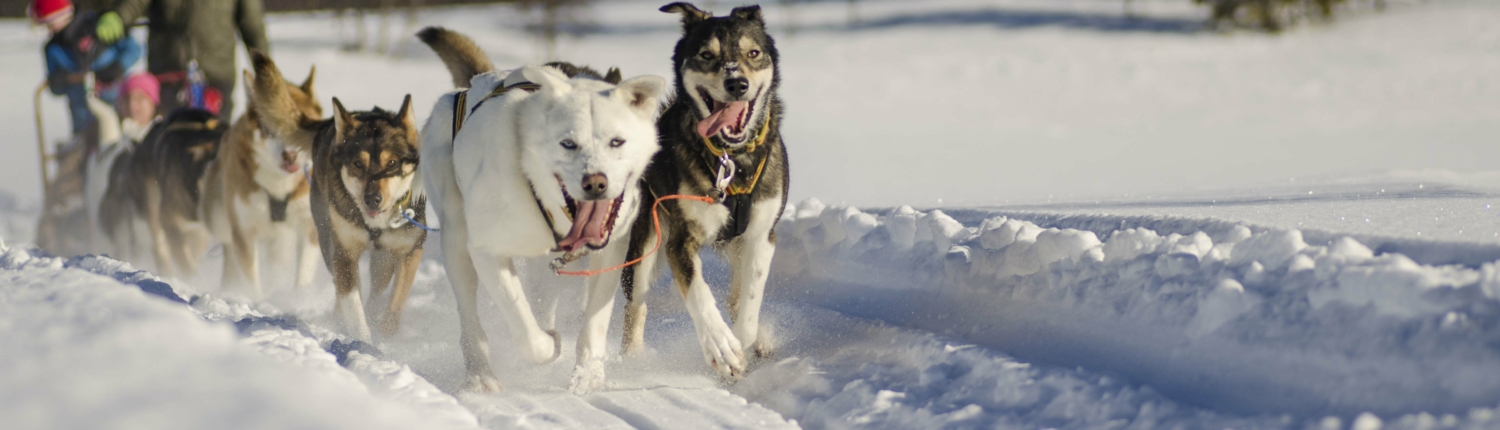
(655, 220)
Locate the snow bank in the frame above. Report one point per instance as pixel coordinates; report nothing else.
(1250, 321)
(88, 351)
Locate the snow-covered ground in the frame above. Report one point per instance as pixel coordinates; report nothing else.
(1138, 225)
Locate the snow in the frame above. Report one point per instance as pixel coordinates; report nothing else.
(1038, 214)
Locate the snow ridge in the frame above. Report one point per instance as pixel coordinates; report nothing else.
(1328, 329)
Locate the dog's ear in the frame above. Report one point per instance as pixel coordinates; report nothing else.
(408, 118)
(548, 79)
(307, 84)
(749, 13)
(690, 14)
(409, 121)
(642, 94)
(249, 88)
(613, 76)
(343, 122)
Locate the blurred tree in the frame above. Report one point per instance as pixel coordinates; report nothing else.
(555, 14)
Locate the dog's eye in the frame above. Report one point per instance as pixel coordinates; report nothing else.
(569, 144)
(391, 163)
(754, 53)
(616, 142)
(359, 165)
(706, 56)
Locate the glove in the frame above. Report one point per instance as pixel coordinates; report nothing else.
(110, 28)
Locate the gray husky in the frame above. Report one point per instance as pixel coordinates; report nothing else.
(719, 138)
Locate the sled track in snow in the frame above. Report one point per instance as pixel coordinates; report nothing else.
(1213, 313)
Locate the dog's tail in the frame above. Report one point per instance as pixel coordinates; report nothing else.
(463, 58)
(274, 106)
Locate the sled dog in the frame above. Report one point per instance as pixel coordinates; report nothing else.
(525, 163)
(365, 195)
(719, 138)
(164, 184)
(256, 192)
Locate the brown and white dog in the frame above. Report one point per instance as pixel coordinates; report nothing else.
(364, 188)
(256, 193)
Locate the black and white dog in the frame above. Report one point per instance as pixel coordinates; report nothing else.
(719, 138)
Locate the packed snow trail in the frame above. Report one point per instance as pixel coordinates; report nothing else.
(1256, 329)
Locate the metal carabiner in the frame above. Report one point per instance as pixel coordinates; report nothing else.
(724, 176)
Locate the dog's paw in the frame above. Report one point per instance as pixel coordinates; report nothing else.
(480, 384)
(765, 345)
(588, 377)
(388, 326)
(723, 351)
(632, 349)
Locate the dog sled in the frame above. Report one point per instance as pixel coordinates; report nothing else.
(62, 226)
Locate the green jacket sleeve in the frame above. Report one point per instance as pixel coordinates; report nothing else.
(250, 15)
(131, 10)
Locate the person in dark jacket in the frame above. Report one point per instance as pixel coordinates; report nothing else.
(182, 31)
(73, 52)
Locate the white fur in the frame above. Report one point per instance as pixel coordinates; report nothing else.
(486, 174)
(116, 136)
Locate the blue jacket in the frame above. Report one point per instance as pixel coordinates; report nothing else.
(76, 45)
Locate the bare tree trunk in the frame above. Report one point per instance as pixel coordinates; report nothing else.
(411, 24)
(550, 18)
(383, 38)
(791, 16)
(359, 29)
(854, 13)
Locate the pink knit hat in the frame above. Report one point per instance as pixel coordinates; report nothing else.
(145, 82)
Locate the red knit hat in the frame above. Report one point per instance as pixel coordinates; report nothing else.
(145, 82)
(44, 11)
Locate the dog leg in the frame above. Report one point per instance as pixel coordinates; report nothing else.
(382, 268)
(504, 287)
(406, 273)
(307, 257)
(241, 265)
(721, 349)
(636, 290)
(751, 264)
(176, 244)
(347, 309)
(588, 374)
(159, 245)
(465, 282)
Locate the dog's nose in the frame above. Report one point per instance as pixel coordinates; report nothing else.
(594, 185)
(737, 86)
(372, 200)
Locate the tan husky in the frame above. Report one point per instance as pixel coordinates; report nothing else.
(256, 191)
(365, 195)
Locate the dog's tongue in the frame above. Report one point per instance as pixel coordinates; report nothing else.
(588, 225)
(289, 161)
(726, 116)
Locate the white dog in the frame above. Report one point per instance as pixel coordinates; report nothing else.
(526, 163)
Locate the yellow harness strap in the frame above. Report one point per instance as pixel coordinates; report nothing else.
(458, 111)
(760, 137)
(459, 102)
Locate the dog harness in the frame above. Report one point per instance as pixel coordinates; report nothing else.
(460, 114)
(737, 198)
